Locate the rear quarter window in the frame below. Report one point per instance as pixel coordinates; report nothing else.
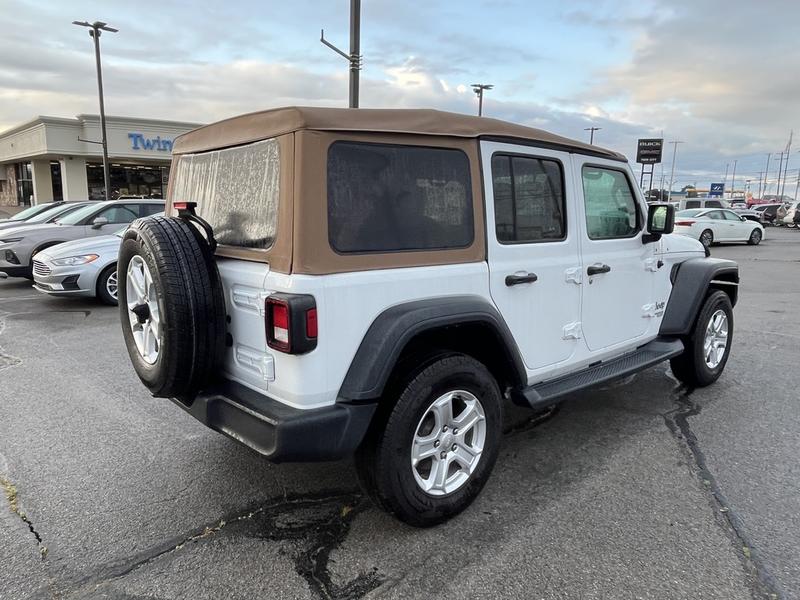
(389, 198)
(236, 191)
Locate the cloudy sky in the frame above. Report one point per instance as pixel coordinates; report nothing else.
(723, 76)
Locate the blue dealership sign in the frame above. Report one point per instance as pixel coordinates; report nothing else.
(139, 142)
(717, 189)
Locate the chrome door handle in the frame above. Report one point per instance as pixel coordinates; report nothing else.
(597, 269)
(518, 279)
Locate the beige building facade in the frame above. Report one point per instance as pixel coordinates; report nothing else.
(55, 158)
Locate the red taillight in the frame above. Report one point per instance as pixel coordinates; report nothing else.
(291, 322)
(278, 325)
(684, 223)
(179, 205)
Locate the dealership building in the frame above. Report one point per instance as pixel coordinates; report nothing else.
(53, 158)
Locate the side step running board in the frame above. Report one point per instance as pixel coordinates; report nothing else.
(548, 392)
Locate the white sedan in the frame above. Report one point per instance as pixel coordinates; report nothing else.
(712, 225)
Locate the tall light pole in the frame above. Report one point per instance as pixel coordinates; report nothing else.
(354, 58)
(672, 174)
(766, 175)
(478, 89)
(591, 131)
(95, 29)
(733, 178)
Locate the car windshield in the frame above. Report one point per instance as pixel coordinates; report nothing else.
(692, 212)
(32, 211)
(77, 216)
(56, 211)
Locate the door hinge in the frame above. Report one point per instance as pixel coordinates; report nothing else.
(573, 331)
(573, 275)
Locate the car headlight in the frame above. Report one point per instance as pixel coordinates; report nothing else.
(9, 240)
(75, 260)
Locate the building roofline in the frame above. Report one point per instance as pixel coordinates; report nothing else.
(77, 120)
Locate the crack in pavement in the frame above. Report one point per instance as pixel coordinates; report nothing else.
(677, 421)
(317, 525)
(12, 497)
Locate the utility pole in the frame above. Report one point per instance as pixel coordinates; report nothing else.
(760, 178)
(786, 167)
(672, 174)
(354, 58)
(780, 171)
(95, 30)
(766, 174)
(733, 178)
(478, 89)
(797, 185)
(591, 131)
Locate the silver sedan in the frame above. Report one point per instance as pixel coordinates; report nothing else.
(85, 267)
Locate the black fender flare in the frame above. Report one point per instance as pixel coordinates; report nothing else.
(396, 326)
(691, 280)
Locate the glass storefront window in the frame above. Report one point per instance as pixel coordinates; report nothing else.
(127, 180)
(24, 176)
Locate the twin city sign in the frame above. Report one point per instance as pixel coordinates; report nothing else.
(648, 151)
(158, 144)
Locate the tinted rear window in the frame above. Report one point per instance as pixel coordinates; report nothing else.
(384, 198)
(236, 191)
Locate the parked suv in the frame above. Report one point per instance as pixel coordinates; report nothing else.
(19, 245)
(380, 282)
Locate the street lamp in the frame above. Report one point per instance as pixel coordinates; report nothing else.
(591, 134)
(478, 88)
(672, 174)
(95, 30)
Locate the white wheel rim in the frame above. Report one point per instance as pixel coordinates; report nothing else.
(111, 285)
(143, 313)
(448, 443)
(716, 339)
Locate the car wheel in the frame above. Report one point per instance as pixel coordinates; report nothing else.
(707, 238)
(107, 287)
(755, 237)
(172, 306)
(428, 455)
(707, 348)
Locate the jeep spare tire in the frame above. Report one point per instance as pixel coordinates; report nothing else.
(172, 306)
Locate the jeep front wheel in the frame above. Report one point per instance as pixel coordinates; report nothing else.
(708, 346)
(429, 455)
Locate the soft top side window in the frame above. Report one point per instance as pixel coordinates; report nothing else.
(388, 198)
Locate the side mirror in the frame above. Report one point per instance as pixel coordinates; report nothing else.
(743, 218)
(99, 222)
(660, 220)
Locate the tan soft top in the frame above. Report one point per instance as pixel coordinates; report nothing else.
(272, 123)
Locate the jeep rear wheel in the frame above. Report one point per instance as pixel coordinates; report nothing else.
(172, 306)
(708, 346)
(428, 456)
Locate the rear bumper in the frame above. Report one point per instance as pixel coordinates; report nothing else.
(280, 432)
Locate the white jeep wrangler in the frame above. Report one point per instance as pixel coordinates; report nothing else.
(379, 282)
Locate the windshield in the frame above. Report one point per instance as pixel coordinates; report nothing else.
(77, 216)
(692, 212)
(55, 211)
(31, 211)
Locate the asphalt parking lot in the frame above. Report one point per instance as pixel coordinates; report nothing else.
(640, 489)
